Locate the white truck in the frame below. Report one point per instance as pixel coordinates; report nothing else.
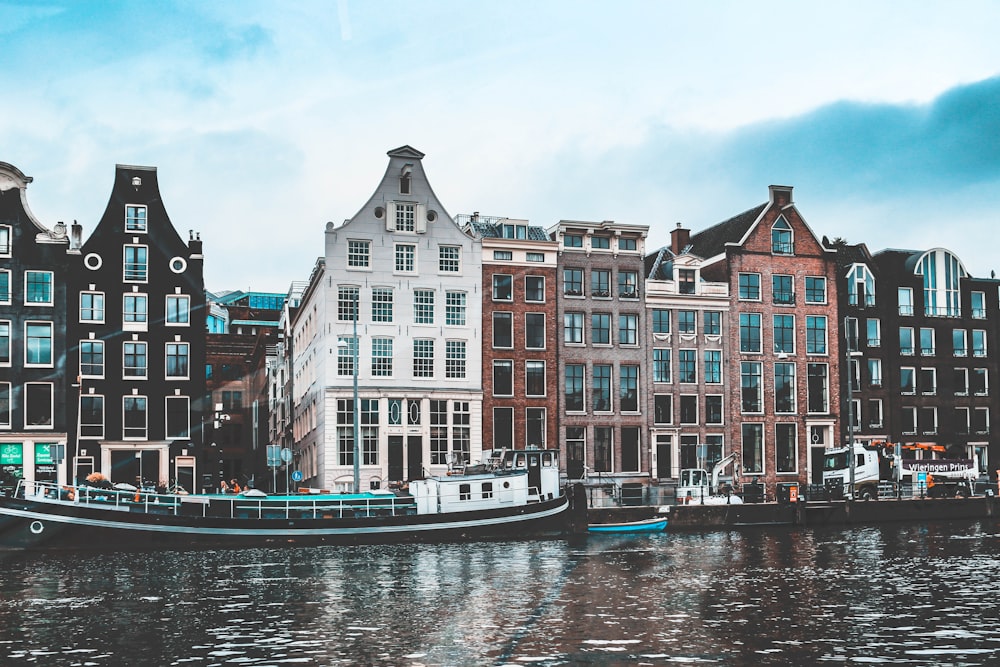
(876, 462)
(697, 488)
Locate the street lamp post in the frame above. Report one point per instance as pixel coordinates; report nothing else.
(851, 353)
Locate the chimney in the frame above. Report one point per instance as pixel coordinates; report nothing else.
(76, 235)
(679, 239)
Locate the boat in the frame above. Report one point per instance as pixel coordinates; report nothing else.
(654, 525)
(516, 493)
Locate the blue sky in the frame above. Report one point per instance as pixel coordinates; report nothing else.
(267, 119)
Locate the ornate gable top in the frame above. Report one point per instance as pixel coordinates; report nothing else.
(406, 152)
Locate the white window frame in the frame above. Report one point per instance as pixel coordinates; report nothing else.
(51, 283)
(132, 225)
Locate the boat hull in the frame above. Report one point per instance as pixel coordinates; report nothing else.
(644, 526)
(41, 524)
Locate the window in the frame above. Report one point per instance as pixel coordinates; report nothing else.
(960, 379)
(135, 218)
(713, 366)
(875, 413)
(906, 341)
(423, 306)
(574, 388)
(382, 304)
(815, 289)
(134, 417)
(817, 388)
(573, 241)
(686, 281)
(781, 237)
(751, 388)
(908, 420)
(661, 364)
(461, 435)
(534, 427)
(687, 322)
(927, 342)
(600, 328)
(861, 286)
(816, 334)
(713, 323)
(347, 303)
(503, 330)
(38, 397)
(134, 359)
(750, 332)
(713, 409)
(927, 381)
(628, 284)
(602, 449)
(785, 456)
(406, 217)
(5, 343)
(4, 286)
(600, 283)
(5, 405)
(688, 409)
(782, 290)
(359, 254)
(382, 357)
(534, 378)
(573, 328)
(177, 360)
(534, 289)
(134, 308)
(927, 420)
(905, 297)
(752, 448)
(981, 421)
(573, 282)
(502, 287)
(406, 257)
(962, 421)
(454, 361)
(978, 343)
(628, 329)
(5, 240)
(454, 309)
(38, 288)
(38, 343)
(91, 416)
(687, 366)
(942, 273)
(979, 382)
(503, 255)
(749, 286)
(509, 231)
(602, 388)
(423, 358)
(629, 388)
(874, 332)
(534, 257)
(450, 259)
(784, 387)
(92, 358)
(907, 380)
(136, 263)
(534, 331)
(978, 303)
(661, 321)
(178, 409)
(503, 428)
(626, 244)
(178, 309)
(875, 372)
(784, 334)
(600, 242)
(345, 355)
(663, 412)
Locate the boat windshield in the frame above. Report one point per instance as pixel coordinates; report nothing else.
(837, 461)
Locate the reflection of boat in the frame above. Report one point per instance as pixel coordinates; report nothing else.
(516, 494)
(654, 525)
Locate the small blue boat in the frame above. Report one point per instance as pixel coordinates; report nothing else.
(655, 525)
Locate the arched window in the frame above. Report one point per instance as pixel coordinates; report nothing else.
(781, 237)
(942, 273)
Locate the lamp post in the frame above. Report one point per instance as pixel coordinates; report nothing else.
(851, 354)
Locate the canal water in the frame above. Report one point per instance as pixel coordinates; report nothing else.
(893, 595)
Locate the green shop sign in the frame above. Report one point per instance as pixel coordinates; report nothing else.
(11, 454)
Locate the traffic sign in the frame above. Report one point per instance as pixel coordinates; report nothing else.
(297, 476)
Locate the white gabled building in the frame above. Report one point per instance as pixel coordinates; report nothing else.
(415, 277)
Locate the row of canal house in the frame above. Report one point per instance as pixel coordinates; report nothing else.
(472, 332)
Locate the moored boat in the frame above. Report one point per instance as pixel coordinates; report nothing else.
(653, 525)
(516, 493)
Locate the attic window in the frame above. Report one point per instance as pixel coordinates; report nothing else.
(404, 179)
(781, 237)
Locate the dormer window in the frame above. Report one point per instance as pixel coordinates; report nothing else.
(685, 281)
(404, 179)
(781, 237)
(514, 231)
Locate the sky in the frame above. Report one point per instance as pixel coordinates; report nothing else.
(267, 119)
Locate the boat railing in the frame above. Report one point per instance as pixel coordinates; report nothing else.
(221, 506)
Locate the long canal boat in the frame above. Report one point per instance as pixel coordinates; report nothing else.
(516, 493)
